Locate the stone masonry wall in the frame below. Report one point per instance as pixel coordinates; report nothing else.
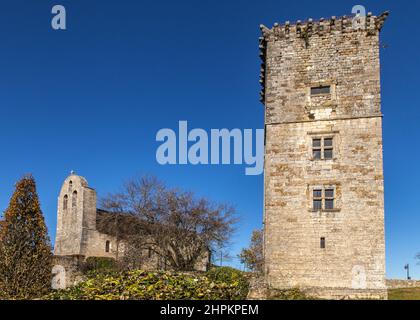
(70, 215)
(402, 284)
(296, 59)
(354, 232)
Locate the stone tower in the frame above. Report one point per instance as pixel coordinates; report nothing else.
(77, 237)
(76, 216)
(324, 184)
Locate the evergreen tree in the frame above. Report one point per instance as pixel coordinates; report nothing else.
(25, 250)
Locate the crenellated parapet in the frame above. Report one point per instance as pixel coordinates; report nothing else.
(369, 25)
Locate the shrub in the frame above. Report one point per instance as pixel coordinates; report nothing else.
(142, 285)
(292, 294)
(231, 276)
(99, 265)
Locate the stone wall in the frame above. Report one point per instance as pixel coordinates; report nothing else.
(67, 271)
(352, 264)
(401, 284)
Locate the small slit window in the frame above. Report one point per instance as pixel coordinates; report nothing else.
(74, 199)
(320, 90)
(322, 243)
(65, 202)
(107, 246)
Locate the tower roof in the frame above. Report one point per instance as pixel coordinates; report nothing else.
(74, 177)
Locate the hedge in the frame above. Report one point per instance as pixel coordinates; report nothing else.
(143, 285)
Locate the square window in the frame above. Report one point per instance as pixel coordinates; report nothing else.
(322, 149)
(323, 199)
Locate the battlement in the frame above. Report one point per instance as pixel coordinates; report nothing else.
(369, 24)
(307, 36)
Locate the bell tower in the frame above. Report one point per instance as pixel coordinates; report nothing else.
(76, 215)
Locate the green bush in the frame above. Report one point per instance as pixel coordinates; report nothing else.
(99, 264)
(231, 276)
(291, 294)
(142, 285)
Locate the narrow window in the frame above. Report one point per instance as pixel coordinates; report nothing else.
(316, 149)
(328, 148)
(320, 90)
(150, 253)
(74, 199)
(65, 202)
(329, 199)
(317, 198)
(322, 243)
(70, 185)
(107, 245)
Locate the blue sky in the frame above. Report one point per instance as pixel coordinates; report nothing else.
(92, 98)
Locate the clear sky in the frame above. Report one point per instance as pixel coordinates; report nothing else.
(92, 98)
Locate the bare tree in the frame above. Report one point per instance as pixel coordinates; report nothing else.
(252, 257)
(178, 227)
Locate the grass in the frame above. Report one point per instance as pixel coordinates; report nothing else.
(404, 294)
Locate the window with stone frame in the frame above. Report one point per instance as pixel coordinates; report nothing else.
(324, 199)
(320, 90)
(107, 246)
(317, 199)
(322, 148)
(320, 96)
